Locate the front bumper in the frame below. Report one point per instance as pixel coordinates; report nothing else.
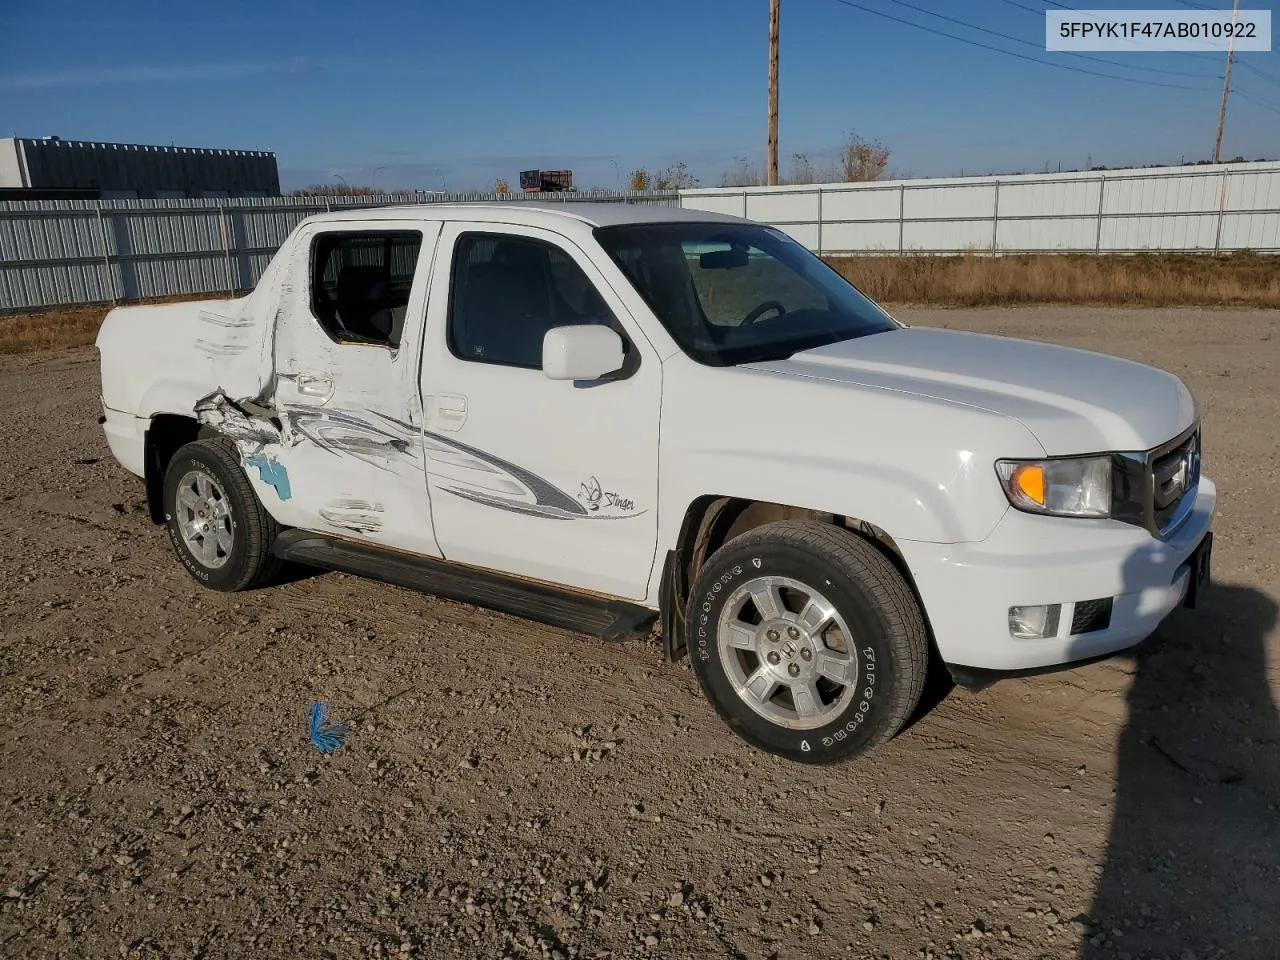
(967, 589)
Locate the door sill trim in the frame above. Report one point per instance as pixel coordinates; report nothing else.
(606, 618)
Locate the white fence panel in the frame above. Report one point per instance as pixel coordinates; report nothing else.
(1135, 234)
(730, 204)
(1047, 235)
(1201, 208)
(860, 237)
(1062, 199)
(782, 208)
(931, 237)
(973, 202)
(1250, 231)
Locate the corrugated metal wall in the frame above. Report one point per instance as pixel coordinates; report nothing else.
(140, 170)
(61, 252)
(1205, 208)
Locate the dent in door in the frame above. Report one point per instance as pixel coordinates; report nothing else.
(388, 444)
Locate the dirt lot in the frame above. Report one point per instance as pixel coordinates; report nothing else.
(513, 790)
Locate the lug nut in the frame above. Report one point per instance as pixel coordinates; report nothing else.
(772, 635)
(806, 654)
(794, 669)
(793, 633)
(773, 657)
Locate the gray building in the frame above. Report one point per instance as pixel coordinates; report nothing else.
(135, 171)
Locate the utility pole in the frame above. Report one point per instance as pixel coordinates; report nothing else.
(772, 177)
(1226, 84)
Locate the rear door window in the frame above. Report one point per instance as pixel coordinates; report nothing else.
(360, 283)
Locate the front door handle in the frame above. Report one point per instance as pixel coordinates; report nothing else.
(448, 410)
(313, 387)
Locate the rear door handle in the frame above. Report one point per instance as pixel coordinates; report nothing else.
(318, 388)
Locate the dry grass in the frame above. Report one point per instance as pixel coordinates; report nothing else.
(58, 329)
(1146, 280)
(1141, 280)
(62, 328)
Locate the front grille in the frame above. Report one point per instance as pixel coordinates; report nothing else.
(1155, 488)
(1090, 616)
(1174, 476)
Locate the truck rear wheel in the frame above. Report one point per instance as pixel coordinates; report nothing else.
(220, 530)
(807, 641)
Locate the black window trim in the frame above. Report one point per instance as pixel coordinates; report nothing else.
(388, 236)
(630, 352)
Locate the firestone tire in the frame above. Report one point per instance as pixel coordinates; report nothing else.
(807, 640)
(218, 527)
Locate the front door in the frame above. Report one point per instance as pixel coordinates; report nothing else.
(346, 387)
(552, 480)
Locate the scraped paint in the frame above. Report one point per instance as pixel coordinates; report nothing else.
(272, 472)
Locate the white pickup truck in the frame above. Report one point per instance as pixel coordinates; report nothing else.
(602, 415)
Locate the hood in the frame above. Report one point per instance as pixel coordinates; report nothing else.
(1073, 401)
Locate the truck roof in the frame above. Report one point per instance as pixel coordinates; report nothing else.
(530, 213)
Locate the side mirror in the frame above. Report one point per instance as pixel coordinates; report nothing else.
(585, 351)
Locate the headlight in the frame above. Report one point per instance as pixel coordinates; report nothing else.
(1067, 487)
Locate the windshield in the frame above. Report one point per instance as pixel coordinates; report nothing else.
(732, 293)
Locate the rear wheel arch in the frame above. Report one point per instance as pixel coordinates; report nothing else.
(166, 434)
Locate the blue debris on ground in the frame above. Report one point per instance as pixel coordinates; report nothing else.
(325, 737)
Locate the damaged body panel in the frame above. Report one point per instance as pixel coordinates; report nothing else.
(545, 409)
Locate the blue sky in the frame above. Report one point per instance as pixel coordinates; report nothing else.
(451, 95)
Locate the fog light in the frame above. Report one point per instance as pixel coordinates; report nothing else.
(1034, 623)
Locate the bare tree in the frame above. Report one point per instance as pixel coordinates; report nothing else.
(746, 175)
(675, 177)
(862, 160)
(332, 190)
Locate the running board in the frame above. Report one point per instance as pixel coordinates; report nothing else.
(600, 617)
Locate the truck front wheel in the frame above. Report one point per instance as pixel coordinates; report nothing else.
(807, 641)
(219, 529)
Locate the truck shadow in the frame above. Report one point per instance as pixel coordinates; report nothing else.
(1192, 864)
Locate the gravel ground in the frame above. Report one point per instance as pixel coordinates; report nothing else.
(511, 790)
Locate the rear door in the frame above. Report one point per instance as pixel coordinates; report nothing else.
(346, 359)
(552, 480)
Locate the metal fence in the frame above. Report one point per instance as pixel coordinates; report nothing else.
(74, 251)
(1201, 209)
(55, 253)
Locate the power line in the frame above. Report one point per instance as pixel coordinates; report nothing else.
(1271, 78)
(1029, 43)
(1260, 101)
(1023, 6)
(1011, 53)
(1265, 104)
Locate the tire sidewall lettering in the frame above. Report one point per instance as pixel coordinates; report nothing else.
(229, 571)
(712, 677)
